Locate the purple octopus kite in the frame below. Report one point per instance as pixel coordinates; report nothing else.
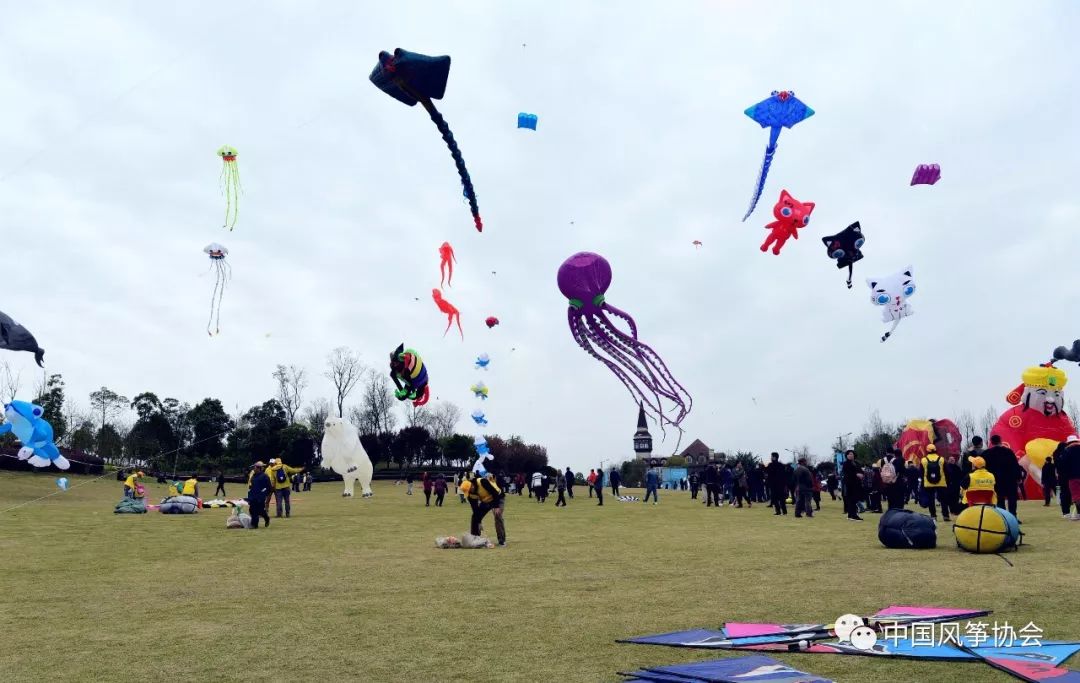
(926, 174)
(583, 279)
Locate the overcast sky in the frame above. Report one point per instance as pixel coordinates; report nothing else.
(112, 111)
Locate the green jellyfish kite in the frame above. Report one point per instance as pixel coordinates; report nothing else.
(230, 185)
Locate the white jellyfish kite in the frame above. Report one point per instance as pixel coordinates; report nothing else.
(223, 273)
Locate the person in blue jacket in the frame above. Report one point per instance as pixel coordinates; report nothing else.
(258, 493)
(652, 482)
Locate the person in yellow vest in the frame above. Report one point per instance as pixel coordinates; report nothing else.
(490, 497)
(981, 487)
(131, 482)
(191, 487)
(281, 478)
(934, 483)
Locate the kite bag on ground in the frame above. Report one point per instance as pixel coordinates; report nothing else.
(906, 529)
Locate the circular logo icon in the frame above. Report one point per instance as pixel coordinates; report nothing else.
(845, 625)
(863, 638)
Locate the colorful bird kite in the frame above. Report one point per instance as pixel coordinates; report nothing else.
(450, 310)
(845, 248)
(527, 121)
(926, 174)
(482, 361)
(15, 337)
(479, 390)
(230, 185)
(410, 77)
(584, 279)
(222, 273)
(781, 110)
(446, 263)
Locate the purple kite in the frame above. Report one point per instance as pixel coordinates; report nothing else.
(926, 174)
(584, 279)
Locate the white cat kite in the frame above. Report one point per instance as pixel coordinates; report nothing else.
(892, 293)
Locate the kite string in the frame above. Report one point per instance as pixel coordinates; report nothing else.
(105, 474)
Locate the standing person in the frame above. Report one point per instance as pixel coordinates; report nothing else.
(560, 488)
(490, 498)
(741, 486)
(408, 483)
(440, 490)
(220, 484)
(191, 487)
(1002, 463)
(280, 474)
(831, 482)
(1069, 478)
(652, 482)
(756, 477)
(817, 489)
(616, 481)
(569, 479)
(427, 484)
(598, 484)
(537, 484)
(519, 483)
(693, 486)
(911, 480)
(776, 478)
(876, 487)
(131, 482)
(726, 481)
(307, 481)
(954, 481)
(934, 482)
(296, 484)
(892, 478)
(981, 485)
(853, 488)
(976, 451)
(712, 484)
(258, 493)
(804, 489)
(1049, 480)
(591, 481)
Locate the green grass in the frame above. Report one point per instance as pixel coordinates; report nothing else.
(355, 588)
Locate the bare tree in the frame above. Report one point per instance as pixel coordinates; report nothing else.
(965, 422)
(291, 382)
(344, 369)
(375, 414)
(315, 417)
(1073, 411)
(986, 422)
(107, 403)
(442, 419)
(10, 382)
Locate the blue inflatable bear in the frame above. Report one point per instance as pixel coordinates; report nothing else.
(24, 420)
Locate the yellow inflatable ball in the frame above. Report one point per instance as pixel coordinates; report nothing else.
(980, 529)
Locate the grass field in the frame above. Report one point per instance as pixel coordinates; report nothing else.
(354, 589)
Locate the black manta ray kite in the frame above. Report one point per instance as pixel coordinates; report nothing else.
(15, 337)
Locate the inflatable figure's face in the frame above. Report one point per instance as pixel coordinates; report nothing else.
(334, 427)
(1049, 402)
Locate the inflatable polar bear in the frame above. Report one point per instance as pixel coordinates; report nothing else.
(343, 453)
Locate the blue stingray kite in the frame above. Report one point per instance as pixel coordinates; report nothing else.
(781, 110)
(411, 77)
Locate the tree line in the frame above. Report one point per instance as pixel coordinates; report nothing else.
(168, 435)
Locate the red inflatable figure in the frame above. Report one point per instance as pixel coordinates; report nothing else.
(790, 214)
(450, 310)
(446, 263)
(1036, 423)
(491, 321)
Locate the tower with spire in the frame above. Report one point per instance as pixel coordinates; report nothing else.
(642, 437)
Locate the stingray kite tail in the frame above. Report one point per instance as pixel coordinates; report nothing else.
(760, 187)
(466, 181)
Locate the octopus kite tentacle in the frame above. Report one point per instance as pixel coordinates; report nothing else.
(653, 360)
(584, 340)
(627, 354)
